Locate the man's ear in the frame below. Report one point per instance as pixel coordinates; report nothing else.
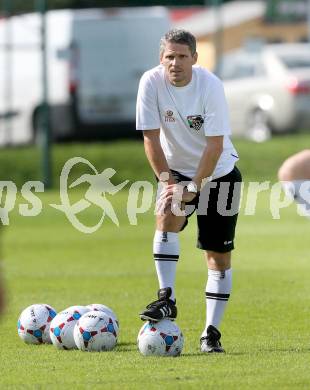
(195, 58)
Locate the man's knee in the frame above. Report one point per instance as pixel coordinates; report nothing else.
(218, 261)
(285, 173)
(169, 222)
(296, 167)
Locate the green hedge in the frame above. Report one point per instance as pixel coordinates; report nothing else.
(258, 162)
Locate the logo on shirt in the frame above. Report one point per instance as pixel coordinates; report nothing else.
(195, 121)
(169, 116)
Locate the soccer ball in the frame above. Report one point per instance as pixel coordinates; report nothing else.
(62, 326)
(95, 331)
(163, 338)
(105, 309)
(34, 323)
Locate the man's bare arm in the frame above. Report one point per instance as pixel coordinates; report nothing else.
(205, 169)
(209, 159)
(155, 154)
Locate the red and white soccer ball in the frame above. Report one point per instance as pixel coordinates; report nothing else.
(34, 323)
(62, 326)
(105, 309)
(95, 331)
(163, 338)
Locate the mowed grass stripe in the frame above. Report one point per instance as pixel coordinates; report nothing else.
(265, 330)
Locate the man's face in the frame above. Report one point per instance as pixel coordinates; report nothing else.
(178, 61)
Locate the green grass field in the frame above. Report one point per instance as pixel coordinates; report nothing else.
(265, 329)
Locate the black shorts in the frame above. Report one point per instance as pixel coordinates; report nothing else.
(217, 207)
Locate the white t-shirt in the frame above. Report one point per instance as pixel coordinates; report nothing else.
(185, 116)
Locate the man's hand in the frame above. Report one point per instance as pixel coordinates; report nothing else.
(173, 198)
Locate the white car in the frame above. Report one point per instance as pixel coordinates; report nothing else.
(95, 58)
(267, 89)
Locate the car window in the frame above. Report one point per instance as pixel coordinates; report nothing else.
(260, 69)
(240, 67)
(292, 62)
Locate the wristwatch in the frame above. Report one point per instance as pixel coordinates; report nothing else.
(192, 187)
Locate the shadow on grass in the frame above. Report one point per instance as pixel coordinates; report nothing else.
(287, 350)
(261, 350)
(208, 355)
(126, 344)
(302, 350)
(126, 347)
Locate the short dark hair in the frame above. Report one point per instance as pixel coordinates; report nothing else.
(182, 37)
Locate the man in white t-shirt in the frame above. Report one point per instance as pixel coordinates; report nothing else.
(294, 174)
(182, 111)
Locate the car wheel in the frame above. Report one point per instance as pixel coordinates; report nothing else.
(258, 128)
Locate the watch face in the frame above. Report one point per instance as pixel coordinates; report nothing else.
(192, 187)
